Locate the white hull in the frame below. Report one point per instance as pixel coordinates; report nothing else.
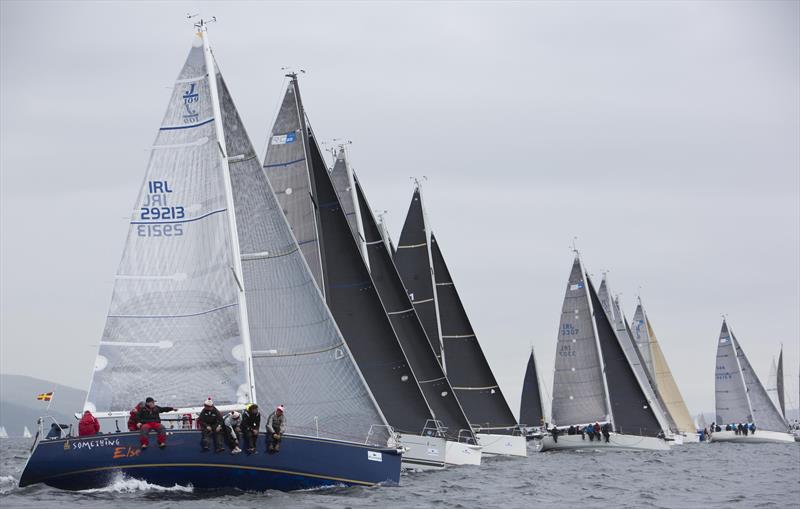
(503, 445)
(759, 437)
(459, 453)
(423, 453)
(684, 438)
(616, 442)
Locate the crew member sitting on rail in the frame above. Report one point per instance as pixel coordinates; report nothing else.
(149, 418)
(251, 422)
(210, 421)
(133, 417)
(276, 424)
(233, 430)
(88, 425)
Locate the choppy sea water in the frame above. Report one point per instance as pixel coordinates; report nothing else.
(692, 476)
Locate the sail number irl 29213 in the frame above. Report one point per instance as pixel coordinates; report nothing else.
(157, 216)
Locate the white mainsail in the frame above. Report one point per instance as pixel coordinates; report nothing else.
(772, 384)
(3, 432)
(26, 433)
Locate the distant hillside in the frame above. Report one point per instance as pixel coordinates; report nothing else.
(19, 406)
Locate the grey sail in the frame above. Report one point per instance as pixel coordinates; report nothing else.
(344, 189)
(299, 357)
(779, 385)
(631, 409)
(464, 361)
(434, 384)
(642, 339)
(765, 415)
(633, 355)
(287, 165)
(349, 290)
(578, 386)
(173, 328)
(730, 394)
(412, 258)
(531, 411)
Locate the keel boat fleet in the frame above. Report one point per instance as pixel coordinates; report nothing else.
(272, 281)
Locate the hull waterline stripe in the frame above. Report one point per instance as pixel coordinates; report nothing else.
(205, 465)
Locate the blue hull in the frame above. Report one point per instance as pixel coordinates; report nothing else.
(303, 462)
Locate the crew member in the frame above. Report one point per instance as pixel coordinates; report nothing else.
(233, 430)
(149, 418)
(88, 425)
(276, 424)
(251, 422)
(210, 421)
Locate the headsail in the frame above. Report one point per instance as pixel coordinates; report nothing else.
(348, 287)
(779, 385)
(531, 412)
(667, 387)
(173, 329)
(631, 410)
(640, 336)
(579, 394)
(765, 414)
(772, 384)
(299, 356)
(732, 405)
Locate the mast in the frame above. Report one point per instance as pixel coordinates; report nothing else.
(609, 413)
(362, 242)
(244, 325)
(433, 275)
(301, 114)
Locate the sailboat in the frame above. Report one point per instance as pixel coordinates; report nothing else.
(741, 397)
(26, 433)
(212, 297)
(775, 384)
(295, 167)
(3, 432)
(461, 447)
(656, 364)
(531, 410)
(433, 293)
(594, 381)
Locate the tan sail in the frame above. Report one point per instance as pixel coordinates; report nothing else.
(667, 387)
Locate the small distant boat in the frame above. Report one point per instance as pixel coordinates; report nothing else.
(3, 432)
(26, 433)
(594, 381)
(741, 397)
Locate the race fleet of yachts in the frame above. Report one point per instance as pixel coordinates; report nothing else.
(273, 281)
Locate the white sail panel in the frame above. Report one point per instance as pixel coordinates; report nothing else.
(173, 331)
(730, 393)
(642, 339)
(578, 386)
(299, 358)
(765, 414)
(772, 384)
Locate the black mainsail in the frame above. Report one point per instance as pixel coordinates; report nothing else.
(431, 378)
(779, 384)
(345, 280)
(531, 411)
(421, 265)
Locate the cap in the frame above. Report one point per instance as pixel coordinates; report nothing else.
(235, 414)
(149, 399)
(208, 402)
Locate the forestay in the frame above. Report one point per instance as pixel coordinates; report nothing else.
(173, 328)
(578, 385)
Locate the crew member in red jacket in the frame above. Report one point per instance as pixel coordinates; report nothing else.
(88, 425)
(149, 418)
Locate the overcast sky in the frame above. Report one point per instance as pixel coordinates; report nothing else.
(663, 135)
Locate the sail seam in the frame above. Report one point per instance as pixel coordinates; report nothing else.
(182, 220)
(266, 353)
(399, 312)
(409, 246)
(278, 165)
(475, 388)
(265, 255)
(462, 336)
(177, 316)
(190, 126)
(196, 143)
(422, 301)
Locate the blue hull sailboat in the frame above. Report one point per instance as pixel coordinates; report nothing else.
(214, 298)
